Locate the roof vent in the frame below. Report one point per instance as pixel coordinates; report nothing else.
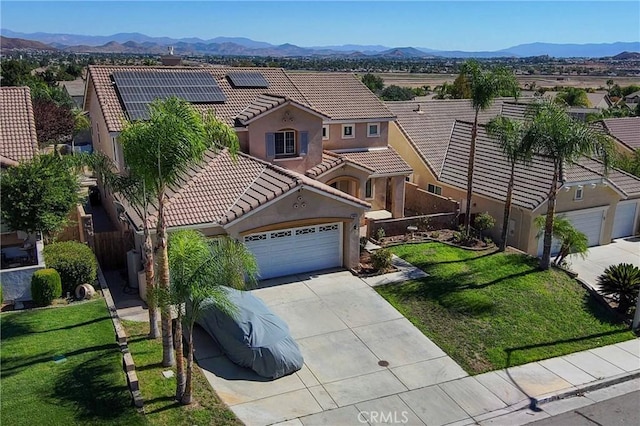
(418, 110)
(171, 60)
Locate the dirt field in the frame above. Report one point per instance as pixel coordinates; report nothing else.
(417, 80)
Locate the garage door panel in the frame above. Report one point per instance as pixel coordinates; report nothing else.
(589, 223)
(624, 220)
(296, 250)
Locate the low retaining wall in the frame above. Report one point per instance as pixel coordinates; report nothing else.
(399, 226)
(121, 337)
(16, 283)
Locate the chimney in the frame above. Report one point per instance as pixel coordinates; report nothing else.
(171, 60)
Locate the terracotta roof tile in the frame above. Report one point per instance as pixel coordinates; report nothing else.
(341, 96)
(429, 124)
(18, 140)
(626, 130)
(329, 162)
(383, 162)
(264, 103)
(220, 190)
(492, 169)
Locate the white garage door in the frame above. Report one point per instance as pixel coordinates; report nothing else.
(589, 223)
(296, 250)
(624, 220)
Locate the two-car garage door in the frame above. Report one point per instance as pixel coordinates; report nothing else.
(588, 222)
(296, 250)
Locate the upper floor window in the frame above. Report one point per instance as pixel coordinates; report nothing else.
(373, 130)
(348, 131)
(368, 189)
(579, 193)
(325, 133)
(285, 143)
(434, 189)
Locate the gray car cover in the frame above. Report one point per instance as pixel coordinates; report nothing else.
(253, 337)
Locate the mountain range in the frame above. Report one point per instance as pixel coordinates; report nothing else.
(241, 46)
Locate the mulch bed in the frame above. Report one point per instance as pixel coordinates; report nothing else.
(442, 235)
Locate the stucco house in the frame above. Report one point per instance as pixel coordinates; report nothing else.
(625, 131)
(315, 157)
(435, 137)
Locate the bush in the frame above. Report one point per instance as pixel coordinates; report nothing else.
(381, 259)
(363, 242)
(483, 221)
(380, 234)
(46, 285)
(621, 282)
(75, 262)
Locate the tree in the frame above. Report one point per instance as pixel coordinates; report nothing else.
(134, 190)
(571, 240)
(15, 73)
(199, 270)
(484, 221)
(564, 141)
(484, 87)
(443, 91)
(609, 86)
(573, 96)
(54, 123)
(630, 163)
(460, 88)
(37, 195)
(160, 151)
(397, 93)
(373, 82)
(509, 134)
(622, 283)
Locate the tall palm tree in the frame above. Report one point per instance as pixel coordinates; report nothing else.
(564, 141)
(132, 188)
(509, 134)
(160, 151)
(484, 86)
(199, 270)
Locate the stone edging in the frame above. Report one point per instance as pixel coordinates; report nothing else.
(121, 338)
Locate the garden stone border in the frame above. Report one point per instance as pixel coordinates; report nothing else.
(128, 365)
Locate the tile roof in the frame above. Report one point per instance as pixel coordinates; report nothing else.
(626, 130)
(336, 95)
(492, 169)
(220, 190)
(18, 140)
(341, 96)
(384, 162)
(329, 162)
(428, 124)
(264, 103)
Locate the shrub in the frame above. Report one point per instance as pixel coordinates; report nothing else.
(75, 262)
(381, 259)
(423, 224)
(363, 243)
(380, 234)
(483, 221)
(621, 282)
(46, 285)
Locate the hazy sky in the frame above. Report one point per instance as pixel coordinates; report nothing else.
(459, 25)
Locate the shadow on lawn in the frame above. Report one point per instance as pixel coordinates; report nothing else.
(97, 390)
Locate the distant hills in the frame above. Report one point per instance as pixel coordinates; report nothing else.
(241, 46)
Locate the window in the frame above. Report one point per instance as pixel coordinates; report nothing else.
(368, 189)
(285, 143)
(115, 153)
(348, 131)
(579, 193)
(434, 189)
(373, 130)
(325, 133)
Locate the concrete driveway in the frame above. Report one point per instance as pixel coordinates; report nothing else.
(344, 330)
(622, 250)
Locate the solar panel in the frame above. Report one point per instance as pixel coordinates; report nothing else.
(138, 89)
(247, 79)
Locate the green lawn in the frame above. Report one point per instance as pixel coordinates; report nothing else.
(158, 392)
(492, 310)
(89, 388)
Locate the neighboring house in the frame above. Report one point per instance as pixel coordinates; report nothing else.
(315, 157)
(603, 207)
(75, 89)
(625, 131)
(599, 100)
(632, 98)
(18, 142)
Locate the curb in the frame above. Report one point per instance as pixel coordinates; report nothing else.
(128, 366)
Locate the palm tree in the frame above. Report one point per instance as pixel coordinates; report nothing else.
(622, 283)
(509, 134)
(484, 87)
(564, 141)
(134, 191)
(199, 270)
(571, 240)
(160, 151)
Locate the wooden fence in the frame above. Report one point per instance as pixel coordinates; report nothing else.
(111, 248)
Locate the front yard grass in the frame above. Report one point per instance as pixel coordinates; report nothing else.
(158, 393)
(89, 388)
(491, 310)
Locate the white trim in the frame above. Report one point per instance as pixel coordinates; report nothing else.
(376, 135)
(360, 120)
(348, 150)
(325, 129)
(282, 105)
(353, 131)
(579, 189)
